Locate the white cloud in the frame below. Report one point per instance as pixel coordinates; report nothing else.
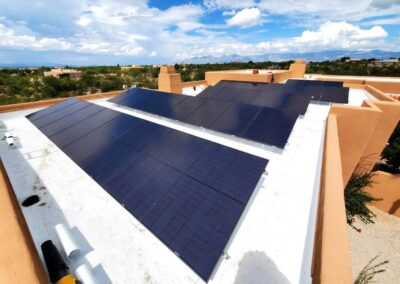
(245, 18)
(384, 21)
(11, 39)
(133, 29)
(331, 35)
(229, 4)
(312, 12)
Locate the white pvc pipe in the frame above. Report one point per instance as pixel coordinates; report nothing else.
(10, 142)
(85, 275)
(7, 135)
(68, 243)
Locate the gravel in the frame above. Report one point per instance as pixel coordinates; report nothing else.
(379, 239)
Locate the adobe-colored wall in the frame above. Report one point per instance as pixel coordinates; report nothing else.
(43, 103)
(387, 87)
(298, 69)
(387, 122)
(213, 77)
(387, 187)
(19, 262)
(331, 261)
(170, 82)
(356, 126)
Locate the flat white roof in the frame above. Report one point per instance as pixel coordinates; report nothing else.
(273, 240)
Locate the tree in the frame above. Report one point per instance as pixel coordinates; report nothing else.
(391, 153)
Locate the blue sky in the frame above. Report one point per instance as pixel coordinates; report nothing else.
(87, 32)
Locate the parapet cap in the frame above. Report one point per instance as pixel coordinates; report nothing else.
(167, 69)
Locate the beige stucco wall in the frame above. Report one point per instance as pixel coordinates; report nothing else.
(213, 77)
(331, 261)
(356, 127)
(43, 103)
(19, 262)
(387, 187)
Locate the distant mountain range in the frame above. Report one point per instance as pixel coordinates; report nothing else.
(41, 59)
(308, 56)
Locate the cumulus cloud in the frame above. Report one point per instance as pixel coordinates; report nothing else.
(133, 29)
(331, 35)
(316, 11)
(245, 18)
(229, 4)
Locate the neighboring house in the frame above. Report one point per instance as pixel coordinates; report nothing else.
(384, 63)
(63, 73)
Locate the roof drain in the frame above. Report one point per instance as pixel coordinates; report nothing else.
(31, 200)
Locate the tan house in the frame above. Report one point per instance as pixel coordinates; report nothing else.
(384, 63)
(63, 73)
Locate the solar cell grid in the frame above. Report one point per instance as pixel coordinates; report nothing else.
(70, 120)
(59, 114)
(107, 161)
(42, 113)
(177, 149)
(70, 134)
(195, 221)
(230, 172)
(160, 176)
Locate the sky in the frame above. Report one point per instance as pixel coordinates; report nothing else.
(97, 32)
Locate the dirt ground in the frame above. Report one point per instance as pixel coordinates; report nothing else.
(380, 239)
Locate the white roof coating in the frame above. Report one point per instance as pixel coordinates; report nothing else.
(272, 241)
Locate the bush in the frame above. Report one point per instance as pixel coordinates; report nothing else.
(356, 199)
(390, 158)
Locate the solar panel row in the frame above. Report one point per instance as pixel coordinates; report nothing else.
(266, 125)
(314, 83)
(294, 96)
(188, 191)
(228, 106)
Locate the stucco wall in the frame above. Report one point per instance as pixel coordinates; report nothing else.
(331, 262)
(19, 262)
(387, 187)
(43, 103)
(213, 78)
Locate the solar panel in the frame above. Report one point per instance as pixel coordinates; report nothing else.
(314, 83)
(39, 114)
(70, 120)
(195, 221)
(59, 114)
(188, 191)
(78, 130)
(177, 149)
(229, 172)
(186, 108)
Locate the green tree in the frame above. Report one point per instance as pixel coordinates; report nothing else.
(391, 153)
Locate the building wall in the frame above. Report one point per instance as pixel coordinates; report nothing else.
(44, 103)
(19, 261)
(331, 261)
(387, 187)
(214, 77)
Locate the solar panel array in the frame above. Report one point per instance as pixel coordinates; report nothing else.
(261, 112)
(262, 124)
(314, 83)
(188, 191)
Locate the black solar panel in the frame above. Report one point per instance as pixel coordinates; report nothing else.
(221, 115)
(314, 83)
(39, 114)
(188, 191)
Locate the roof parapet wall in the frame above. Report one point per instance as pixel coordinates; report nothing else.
(331, 261)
